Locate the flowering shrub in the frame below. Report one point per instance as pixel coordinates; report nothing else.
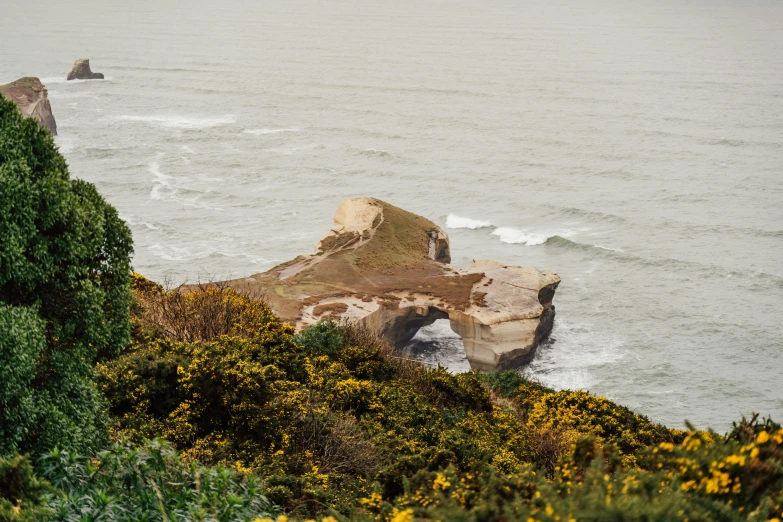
(333, 423)
(698, 479)
(330, 426)
(335, 427)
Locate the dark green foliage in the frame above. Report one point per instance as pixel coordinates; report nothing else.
(22, 341)
(22, 495)
(323, 336)
(462, 390)
(65, 258)
(149, 483)
(505, 383)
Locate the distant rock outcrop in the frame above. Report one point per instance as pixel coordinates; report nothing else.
(32, 98)
(81, 71)
(388, 269)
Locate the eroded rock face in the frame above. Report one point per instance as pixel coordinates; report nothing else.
(81, 71)
(388, 269)
(32, 98)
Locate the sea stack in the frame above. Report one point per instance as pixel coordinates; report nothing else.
(388, 269)
(32, 98)
(81, 71)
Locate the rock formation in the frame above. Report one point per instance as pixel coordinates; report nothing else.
(32, 98)
(81, 71)
(389, 270)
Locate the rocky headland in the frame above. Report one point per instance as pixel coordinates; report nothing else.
(32, 98)
(389, 270)
(81, 71)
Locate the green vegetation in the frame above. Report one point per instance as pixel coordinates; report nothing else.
(125, 483)
(259, 421)
(395, 245)
(64, 294)
(337, 426)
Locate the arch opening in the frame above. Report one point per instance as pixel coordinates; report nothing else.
(437, 344)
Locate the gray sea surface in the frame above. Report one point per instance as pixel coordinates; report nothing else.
(635, 148)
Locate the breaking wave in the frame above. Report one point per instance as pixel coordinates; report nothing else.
(454, 221)
(519, 237)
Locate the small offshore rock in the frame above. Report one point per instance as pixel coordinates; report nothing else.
(81, 71)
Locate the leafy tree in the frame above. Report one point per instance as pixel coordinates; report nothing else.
(64, 293)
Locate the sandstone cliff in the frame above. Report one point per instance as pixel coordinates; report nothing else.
(32, 98)
(388, 269)
(81, 71)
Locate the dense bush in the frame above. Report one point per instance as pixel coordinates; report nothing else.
(700, 479)
(64, 293)
(128, 484)
(328, 417)
(150, 483)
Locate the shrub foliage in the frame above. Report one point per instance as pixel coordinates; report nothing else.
(336, 425)
(64, 293)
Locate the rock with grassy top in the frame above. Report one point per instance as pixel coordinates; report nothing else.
(32, 98)
(389, 269)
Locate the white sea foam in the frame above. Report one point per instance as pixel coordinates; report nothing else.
(261, 132)
(437, 344)
(162, 190)
(575, 360)
(179, 122)
(454, 221)
(160, 183)
(515, 236)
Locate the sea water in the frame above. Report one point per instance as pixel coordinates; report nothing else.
(635, 148)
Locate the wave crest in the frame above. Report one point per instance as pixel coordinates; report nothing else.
(517, 237)
(454, 221)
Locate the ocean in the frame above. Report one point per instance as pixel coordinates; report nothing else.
(635, 148)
